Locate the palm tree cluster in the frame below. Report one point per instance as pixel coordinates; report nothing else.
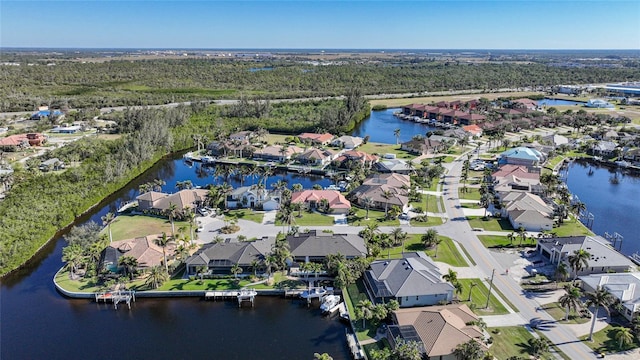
(452, 277)
(345, 272)
(85, 245)
(366, 310)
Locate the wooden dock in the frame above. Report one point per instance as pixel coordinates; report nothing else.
(119, 296)
(242, 295)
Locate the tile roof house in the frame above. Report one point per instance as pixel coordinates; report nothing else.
(422, 146)
(347, 142)
(276, 152)
(13, 142)
(474, 130)
(236, 148)
(438, 329)
(367, 160)
(337, 203)
(314, 156)
(518, 181)
(143, 249)
(528, 211)
(374, 187)
(525, 103)
(159, 201)
(394, 166)
(603, 257)
(414, 280)
(522, 156)
(219, 258)
(318, 139)
(241, 136)
(556, 140)
(316, 246)
(625, 287)
(251, 197)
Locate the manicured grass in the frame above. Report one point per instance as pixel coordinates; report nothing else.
(605, 341)
(132, 226)
(280, 281)
(244, 214)
(558, 312)
(375, 216)
(551, 163)
(87, 285)
(498, 241)
(571, 227)
(428, 200)
(469, 194)
(489, 224)
(276, 138)
(479, 298)
(512, 341)
(354, 294)
(431, 221)
(381, 149)
(447, 251)
(310, 219)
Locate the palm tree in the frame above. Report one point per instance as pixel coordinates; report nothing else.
(107, 220)
(323, 356)
(225, 190)
(523, 233)
(72, 255)
(561, 272)
(182, 185)
(429, 238)
(451, 276)
(129, 263)
(538, 347)
(396, 133)
(368, 203)
(436, 242)
(624, 337)
(578, 261)
(163, 241)
(470, 350)
(191, 218)
(398, 236)
(600, 298)
(157, 276)
(235, 270)
(172, 211)
(570, 300)
(386, 194)
(365, 309)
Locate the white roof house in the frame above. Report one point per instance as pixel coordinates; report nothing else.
(623, 286)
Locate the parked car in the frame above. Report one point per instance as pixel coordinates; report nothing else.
(203, 212)
(403, 216)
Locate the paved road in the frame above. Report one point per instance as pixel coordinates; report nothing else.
(458, 228)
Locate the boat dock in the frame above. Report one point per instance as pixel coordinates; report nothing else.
(354, 347)
(125, 296)
(242, 295)
(246, 294)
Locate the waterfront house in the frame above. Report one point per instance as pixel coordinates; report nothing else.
(471, 119)
(242, 136)
(313, 199)
(604, 258)
(524, 103)
(452, 116)
(316, 157)
(235, 148)
(251, 197)
(556, 140)
(625, 288)
(632, 155)
(474, 130)
(527, 210)
(604, 148)
(159, 202)
(347, 142)
(598, 103)
(143, 249)
(315, 139)
(219, 258)
(510, 178)
(277, 153)
(521, 156)
(315, 246)
(414, 280)
(422, 146)
(438, 329)
(358, 157)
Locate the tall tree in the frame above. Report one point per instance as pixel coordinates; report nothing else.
(396, 133)
(163, 242)
(570, 300)
(470, 350)
(579, 260)
(157, 276)
(600, 298)
(107, 220)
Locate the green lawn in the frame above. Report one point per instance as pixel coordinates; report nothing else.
(431, 221)
(490, 224)
(378, 345)
(551, 163)
(428, 200)
(353, 295)
(276, 138)
(558, 312)
(479, 298)
(512, 341)
(280, 281)
(381, 149)
(310, 219)
(498, 241)
(447, 252)
(605, 341)
(132, 226)
(571, 227)
(469, 194)
(374, 216)
(244, 214)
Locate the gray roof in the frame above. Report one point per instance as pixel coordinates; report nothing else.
(623, 286)
(414, 275)
(230, 253)
(319, 244)
(602, 254)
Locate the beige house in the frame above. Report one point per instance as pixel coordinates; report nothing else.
(395, 185)
(143, 249)
(153, 200)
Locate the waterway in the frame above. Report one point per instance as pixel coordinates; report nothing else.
(615, 206)
(36, 322)
(380, 127)
(559, 102)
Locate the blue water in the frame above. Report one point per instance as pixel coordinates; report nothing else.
(615, 206)
(381, 125)
(558, 102)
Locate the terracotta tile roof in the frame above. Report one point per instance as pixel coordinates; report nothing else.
(143, 249)
(516, 170)
(474, 129)
(335, 198)
(322, 138)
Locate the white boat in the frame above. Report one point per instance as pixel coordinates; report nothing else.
(314, 292)
(208, 160)
(329, 302)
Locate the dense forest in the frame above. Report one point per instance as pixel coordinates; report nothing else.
(143, 82)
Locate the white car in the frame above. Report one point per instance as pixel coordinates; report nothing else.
(203, 212)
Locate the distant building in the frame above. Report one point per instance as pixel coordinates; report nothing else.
(347, 142)
(316, 139)
(598, 103)
(414, 280)
(627, 88)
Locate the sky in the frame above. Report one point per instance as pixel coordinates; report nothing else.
(309, 24)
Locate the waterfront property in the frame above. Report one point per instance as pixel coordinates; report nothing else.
(603, 258)
(414, 280)
(438, 329)
(144, 249)
(316, 246)
(316, 139)
(159, 202)
(347, 142)
(346, 159)
(528, 211)
(522, 156)
(625, 287)
(384, 190)
(422, 146)
(277, 153)
(252, 197)
(397, 166)
(317, 157)
(336, 203)
(219, 258)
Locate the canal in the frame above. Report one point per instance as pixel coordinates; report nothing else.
(37, 322)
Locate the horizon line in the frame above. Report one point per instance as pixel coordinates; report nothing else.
(312, 48)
